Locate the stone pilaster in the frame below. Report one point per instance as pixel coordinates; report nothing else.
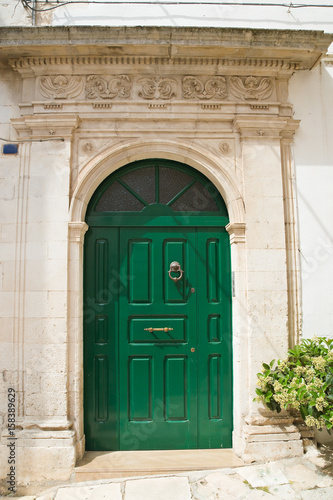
(240, 330)
(76, 232)
(291, 233)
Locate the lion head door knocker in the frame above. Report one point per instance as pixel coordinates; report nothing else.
(175, 268)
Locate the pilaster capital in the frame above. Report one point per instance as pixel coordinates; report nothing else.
(260, 127)
(76, 231)
(287, 134)
(49, 126)
(236, 232)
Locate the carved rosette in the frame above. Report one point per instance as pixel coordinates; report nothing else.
(87, 147)
(99, 87)
(214, 88)
(251, 87)
(158, 88)
(61, 86)
(225, 148)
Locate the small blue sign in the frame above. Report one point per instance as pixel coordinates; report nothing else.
(10, 149)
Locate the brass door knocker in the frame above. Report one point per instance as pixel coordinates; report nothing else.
(175, 268)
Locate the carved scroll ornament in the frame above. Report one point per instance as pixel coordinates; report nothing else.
(99, 87)
(214, 88)
(251, 87)
(158, 88)
(61, 86)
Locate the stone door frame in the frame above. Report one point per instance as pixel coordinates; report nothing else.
(94, 173)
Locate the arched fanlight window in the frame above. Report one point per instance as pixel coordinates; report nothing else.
(157, 186)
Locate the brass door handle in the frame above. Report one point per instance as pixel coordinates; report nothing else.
(175, 268)
(151, 330)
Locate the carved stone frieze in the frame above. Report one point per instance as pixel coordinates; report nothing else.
(213, 88)
(251, 87)
(61, 86)
(157, 88)
(100, 87)
(208, 90)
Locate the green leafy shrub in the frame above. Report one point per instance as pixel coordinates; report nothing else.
(304, 381)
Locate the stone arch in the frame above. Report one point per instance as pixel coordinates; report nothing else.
(102, 165)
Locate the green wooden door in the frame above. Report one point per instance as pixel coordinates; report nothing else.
(147, 388)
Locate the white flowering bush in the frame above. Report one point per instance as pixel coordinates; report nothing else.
(303, 381)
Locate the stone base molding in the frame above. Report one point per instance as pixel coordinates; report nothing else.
(270, 434)
(41, 456)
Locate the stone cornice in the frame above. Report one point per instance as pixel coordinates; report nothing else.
(301, 48)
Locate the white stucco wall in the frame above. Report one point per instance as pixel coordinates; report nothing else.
(314, 174)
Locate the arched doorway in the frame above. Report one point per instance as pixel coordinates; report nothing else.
(157, 340)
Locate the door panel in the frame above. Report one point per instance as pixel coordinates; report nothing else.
(140, 388)
(213, 270)
(139, 267)
(175, 375)
(214, 387)
(174, 250)
(138, 329)
(101, 388)
(101, 273)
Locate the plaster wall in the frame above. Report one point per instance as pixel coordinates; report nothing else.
(313, 105)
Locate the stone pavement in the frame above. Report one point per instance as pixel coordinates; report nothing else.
(304, 478)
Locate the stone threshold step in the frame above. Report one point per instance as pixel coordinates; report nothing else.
(109, 465)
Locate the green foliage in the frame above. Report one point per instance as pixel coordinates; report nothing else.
(303, 381)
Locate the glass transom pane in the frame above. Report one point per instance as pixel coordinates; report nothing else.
(196, 199)
(117, 199)
(171, 182)
(142, 181)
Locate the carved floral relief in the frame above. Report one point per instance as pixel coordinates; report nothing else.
(158, 88)
(214, 88)
(99, 87)
(251, 87)
(61, 86)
